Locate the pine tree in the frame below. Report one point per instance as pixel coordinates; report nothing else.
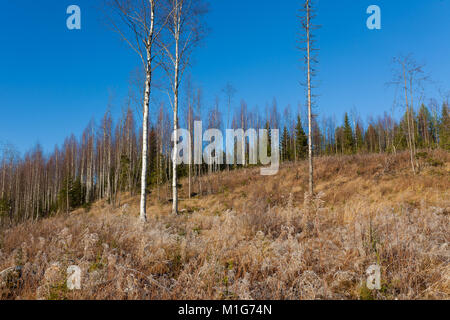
(348, 136)
(338, 134)
(301, 140)
(444, 128)
(424, 127)
(269, 139)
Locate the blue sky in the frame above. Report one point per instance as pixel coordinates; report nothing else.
(53, 80)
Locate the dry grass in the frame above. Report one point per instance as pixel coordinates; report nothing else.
(252, 237)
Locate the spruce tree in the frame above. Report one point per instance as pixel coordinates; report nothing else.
(269, 139)
(301, 140)
(424, 127)
(348, 136)
(285, 145)
(444, 128)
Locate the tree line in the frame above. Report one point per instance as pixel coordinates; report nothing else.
(106, 160)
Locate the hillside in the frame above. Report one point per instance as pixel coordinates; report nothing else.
(246, 236)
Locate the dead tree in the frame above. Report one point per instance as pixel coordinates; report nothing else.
(310, 57)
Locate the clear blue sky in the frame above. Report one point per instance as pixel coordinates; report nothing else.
(53, 81)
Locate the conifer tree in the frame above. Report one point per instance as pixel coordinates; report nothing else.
(286, 155)
(444, 128)
(301, 140)
(348, 136)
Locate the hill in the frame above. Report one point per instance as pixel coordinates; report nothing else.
(246, 236)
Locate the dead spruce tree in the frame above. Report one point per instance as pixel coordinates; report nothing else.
(135, 21)
(183, 31)
(310, 56)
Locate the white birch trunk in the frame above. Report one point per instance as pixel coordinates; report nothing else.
(177, 25)
(148, 80)
(175, 132)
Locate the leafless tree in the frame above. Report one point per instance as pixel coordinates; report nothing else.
(310, 59)
(229, 92)
(135, 21)
(183, 31)
(409, 76)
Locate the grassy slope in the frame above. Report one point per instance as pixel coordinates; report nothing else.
(252, 237)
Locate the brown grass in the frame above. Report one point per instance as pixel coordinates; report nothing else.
(252, 237)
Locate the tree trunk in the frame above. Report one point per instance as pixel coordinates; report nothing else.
(308, 48)
(175, 146)
(408, 116)
(148, 81)
(190, 149)
(177, 26)
(143, 209)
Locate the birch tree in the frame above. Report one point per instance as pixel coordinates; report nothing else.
(135, 22)
(229, 92)
(409, 76)
(190, 126)
(184, 29)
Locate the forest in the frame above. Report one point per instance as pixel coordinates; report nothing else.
(113, 203)
(106, 160)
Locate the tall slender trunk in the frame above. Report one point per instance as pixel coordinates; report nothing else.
(411, 109)
(148, 81)
(408, 116)
(177, 25)
(3, 179)
(175, 132)
(190, 149)
(143, 209)
(308, 52)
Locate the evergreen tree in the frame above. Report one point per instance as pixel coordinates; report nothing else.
(71, 195)
(424, 127)
(371, 139)
(338, 134)
(5, 207)
(285, 149)
(359, 138)
(301, 140)
(444, 128)
(348, 136)
(269, 139)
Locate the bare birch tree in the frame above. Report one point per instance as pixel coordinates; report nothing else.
(184, 29)
(409, 76)
(229, 92)
(190, 126)
(135, 22)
